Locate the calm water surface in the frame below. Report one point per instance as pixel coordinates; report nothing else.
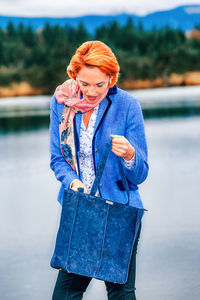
(168, 265)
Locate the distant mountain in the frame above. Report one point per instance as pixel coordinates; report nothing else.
(183, 17)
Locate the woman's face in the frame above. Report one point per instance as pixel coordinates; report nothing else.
(93, 83)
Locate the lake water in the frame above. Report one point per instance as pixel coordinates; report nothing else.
(168, 261)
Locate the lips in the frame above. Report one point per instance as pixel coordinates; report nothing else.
(91, 98)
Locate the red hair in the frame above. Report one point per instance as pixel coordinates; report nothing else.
(94, 54)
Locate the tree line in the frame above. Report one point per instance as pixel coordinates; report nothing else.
(40, 57)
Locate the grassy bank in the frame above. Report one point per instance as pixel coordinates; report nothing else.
(186, 79)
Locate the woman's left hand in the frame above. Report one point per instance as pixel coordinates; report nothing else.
(121, 147)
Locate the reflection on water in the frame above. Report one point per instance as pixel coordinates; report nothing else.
(168, 256)
(24, 123)
(24, 113)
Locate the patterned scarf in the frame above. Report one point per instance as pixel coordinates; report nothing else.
(69, 93)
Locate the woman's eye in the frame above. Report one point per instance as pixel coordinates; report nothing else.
(86, 84)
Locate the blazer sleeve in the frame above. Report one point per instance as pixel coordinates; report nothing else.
(58, 164)
(135, 134)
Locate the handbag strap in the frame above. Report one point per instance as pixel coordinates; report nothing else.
(101, 167)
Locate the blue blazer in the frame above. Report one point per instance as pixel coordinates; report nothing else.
(119, 113)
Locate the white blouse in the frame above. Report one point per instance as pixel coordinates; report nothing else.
(86, 157)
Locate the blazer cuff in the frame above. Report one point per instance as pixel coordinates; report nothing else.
(129, 164)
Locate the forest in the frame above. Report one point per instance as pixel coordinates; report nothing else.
(41, 57)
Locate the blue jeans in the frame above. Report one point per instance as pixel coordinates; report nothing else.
(70, 286)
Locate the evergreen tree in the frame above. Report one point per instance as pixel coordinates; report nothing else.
(41, 57)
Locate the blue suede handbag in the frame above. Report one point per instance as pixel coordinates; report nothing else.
(96, 236)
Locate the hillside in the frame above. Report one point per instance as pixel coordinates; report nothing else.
(183, 17)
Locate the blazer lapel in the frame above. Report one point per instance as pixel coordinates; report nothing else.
(78, 118)
(102, 108)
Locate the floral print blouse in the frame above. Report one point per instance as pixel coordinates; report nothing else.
(86, 158)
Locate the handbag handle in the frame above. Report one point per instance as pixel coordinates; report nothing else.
(101, 167)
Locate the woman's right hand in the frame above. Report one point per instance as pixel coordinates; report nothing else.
(78, 184)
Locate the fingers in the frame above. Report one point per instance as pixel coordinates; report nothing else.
(119, 152)
(78, 184)
(121, 147)
(75, 188)
(115, 135)
(84, 188)
(120, 143)
(119, 139)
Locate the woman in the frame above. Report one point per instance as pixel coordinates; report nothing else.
(86, 111)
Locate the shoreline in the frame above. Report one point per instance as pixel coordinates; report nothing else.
(158, 102)
(186, 79)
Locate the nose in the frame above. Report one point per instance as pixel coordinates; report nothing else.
(91, 91)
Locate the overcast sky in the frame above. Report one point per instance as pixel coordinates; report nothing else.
(83, 7)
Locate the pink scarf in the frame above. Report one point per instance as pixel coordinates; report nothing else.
(69, 93)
